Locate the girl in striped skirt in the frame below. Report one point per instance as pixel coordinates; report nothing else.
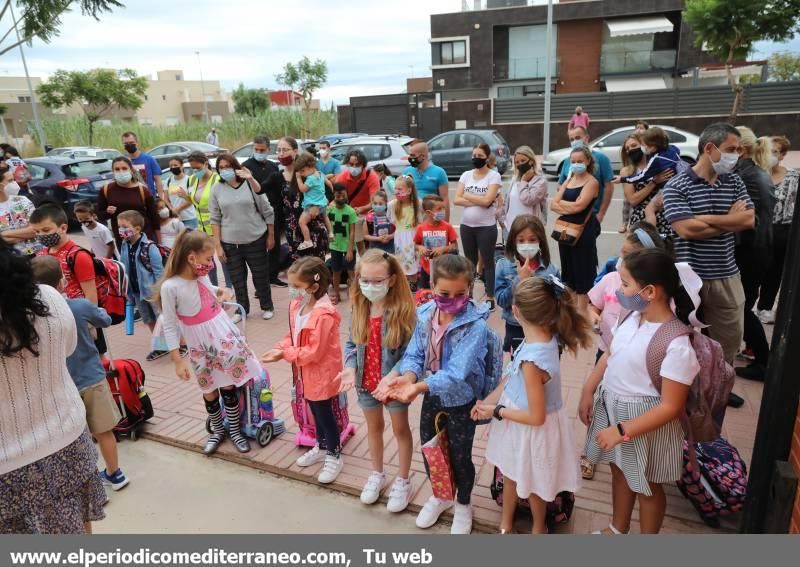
(631, 425)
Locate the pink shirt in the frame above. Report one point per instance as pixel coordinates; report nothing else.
(580, 120)
(604, 297)
(435, 346)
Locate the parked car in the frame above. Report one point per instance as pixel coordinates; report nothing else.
(181, 150)
(335, 138)
(610, 144)
(65, 181)
(452, 151)
(245, 152)
(84, 151)
(389, 150)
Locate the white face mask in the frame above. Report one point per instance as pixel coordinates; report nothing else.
(297, 293)
(726, 162)
(163, 213)
(12, 189)
(528, 250)
(374, 291)
(619, 264)
(773, 162)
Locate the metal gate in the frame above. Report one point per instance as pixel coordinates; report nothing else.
(381, 119)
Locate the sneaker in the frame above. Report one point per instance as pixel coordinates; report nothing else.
(116, 481)
(156, 354)
(431, 511)
(277, 282)
(236, 318)
(400, 495)
(746, 354)
(372, 490)
(330, 471)
(753, 371)
(766, 316)
(735, 401)
(136, 316)
(462, 520)
(312, 457)
(267, 314)
(305, 245)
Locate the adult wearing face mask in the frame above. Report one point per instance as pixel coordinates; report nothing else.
(579, 138)
(144, 164)
(361, 184)
(429, 179)
(127, 193)
(177, 183)
(15, 213)
(528, 193)
(640, 194)
(706, 206)
(330, 167)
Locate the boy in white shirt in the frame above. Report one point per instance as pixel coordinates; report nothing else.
(99, 235)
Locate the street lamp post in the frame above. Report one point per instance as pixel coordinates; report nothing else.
(548, 77)
(202, 87)
(32, 94)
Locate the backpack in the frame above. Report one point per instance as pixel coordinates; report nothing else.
(559, 510)
(125, 378)
(144, 255)
(111, 282)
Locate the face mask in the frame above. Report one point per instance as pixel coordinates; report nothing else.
(259, 157)
(12, 189)
(478, 162)
(123, 178)
(414, 161)
(523, 168)
(438, 216)
(201, 270)
(576, 144)
(528, 250)
(373, 292)
(618, 265)
(49, 240)
(323, 153)
(636, 155)
(773, 163)
(451, 305)
(297, 293)
(87, 223)
(131, 148)
(578, 168)
(401, 194)
(341, 201)
(176, 170)
(125, 233)
(227, 174)
(379, 209)
(286, 160)
(726, 162)
(163, 213)
(354, 171)
(632, 302)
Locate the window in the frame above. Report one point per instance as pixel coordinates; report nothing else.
(158, 151)
(442, 143)
(163, 97)
(94, 168)
(145, 97)
(24, 99)
(527, 54)
(467, 140)
(244, 153)
(37, 172)
(450, 52)
(675, 137)
(616, 139)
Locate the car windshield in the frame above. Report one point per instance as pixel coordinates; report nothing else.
(499, 139)
(93, 168)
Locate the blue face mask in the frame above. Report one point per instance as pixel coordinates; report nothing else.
(439, 215)
(380, 209)
(578, 168)
(576, 144)
(227, 174)
(355, 171)
(198, 173)
(632, 302)
(123, 177)
(259, 157)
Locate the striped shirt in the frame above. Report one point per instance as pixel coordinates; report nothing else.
(687, 196)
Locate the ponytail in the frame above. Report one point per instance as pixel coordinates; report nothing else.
(571, 325)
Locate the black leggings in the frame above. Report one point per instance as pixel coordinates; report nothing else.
(240, 257)
(752, 270)
(460, 432)
(327, 429)
(481, 239)
(772, 282)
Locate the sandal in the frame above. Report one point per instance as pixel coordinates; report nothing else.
(587, 468)
(610, 530)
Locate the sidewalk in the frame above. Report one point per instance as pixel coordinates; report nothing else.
(180, 421)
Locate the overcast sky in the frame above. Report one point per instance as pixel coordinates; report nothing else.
(370, 45)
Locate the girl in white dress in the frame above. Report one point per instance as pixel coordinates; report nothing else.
(531, 439)
(220, 357)
(405, 212)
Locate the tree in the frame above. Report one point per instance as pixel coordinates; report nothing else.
(784, 66)
(306, 77)
(42, 18)
(728, 29)
(98, 92)
(249, 101)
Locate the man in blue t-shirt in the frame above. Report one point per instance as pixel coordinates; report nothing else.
(429, 179)
(144, 164)
(328, 166)
(578, 138)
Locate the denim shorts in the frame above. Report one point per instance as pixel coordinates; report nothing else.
(147, 311)
(367, 402)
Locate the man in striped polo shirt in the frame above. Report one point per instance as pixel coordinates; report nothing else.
(706, 205)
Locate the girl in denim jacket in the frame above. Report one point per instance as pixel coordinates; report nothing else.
(445, 362)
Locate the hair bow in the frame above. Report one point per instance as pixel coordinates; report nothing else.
(556, 285)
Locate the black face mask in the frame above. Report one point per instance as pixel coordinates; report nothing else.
(524, 168)
(176, 170)
(131, 148)
(341, 201)
(636, 155)
(414, 161)
(478, 162)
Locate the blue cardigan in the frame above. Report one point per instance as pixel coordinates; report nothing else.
(505, 278)
(145, 278)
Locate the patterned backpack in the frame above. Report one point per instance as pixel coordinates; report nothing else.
(111, 282)
(559, 510)
(144, 255)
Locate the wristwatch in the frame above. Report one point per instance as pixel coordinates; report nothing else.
(625, 436)
(496, 412)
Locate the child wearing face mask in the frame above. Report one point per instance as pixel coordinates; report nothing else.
(313, 349)
(312, 186)
(661, 156)
(171, 227)
(177, 186)
(100, 237)
(379, 231)
(382, 322)
(527, 254)
(434, 237)
(221, 360)
(634, 426)
(444, 362)
(405, 213)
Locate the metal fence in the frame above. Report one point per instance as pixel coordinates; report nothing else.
(701, 101)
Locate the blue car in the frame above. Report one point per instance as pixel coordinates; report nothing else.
(67, 180)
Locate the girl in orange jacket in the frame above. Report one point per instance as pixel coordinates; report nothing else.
(312, 345)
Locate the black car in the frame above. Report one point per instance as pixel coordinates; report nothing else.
(181, 151)
(65, 181)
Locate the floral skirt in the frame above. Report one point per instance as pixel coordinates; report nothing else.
(54, 495)
(406, 252)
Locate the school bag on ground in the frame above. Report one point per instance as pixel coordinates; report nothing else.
(111, 282)
(307, 434)
(126, 377)
(559, 510)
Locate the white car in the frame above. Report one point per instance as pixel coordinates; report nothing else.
(610, 144)
(391, 151)
(84, 151)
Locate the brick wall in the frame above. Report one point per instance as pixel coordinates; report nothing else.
(579, 45)
(794, 460)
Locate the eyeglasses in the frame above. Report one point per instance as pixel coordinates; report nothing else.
(373, 281)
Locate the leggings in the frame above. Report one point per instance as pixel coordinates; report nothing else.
(328, 435)
(460, 432)
(772, 282)
(481, 239)
(752, 270)
(240, 257)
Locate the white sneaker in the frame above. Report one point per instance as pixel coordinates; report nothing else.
(268, 314)
(430, 513)
(462, 519)
(767, 317)
(372, 490)
(312, 457)
(236, 318)
(305, 245)
(333, 466)
(400, 495)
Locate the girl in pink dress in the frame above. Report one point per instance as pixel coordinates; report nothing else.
(220, 357)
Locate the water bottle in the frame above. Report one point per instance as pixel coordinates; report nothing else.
(129, 319)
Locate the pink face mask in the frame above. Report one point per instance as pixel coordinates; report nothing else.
(451, 305)
(201, 270)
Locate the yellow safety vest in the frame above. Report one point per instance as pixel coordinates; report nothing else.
(203, 214)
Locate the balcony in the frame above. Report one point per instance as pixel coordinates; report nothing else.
(477, 5)
(637, 61)
(521, 68)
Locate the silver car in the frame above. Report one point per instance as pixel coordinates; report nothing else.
(391, 151)
(611, 145)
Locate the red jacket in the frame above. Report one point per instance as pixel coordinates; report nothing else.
(317, 358)
(359, 189)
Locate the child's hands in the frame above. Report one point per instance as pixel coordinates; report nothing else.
(349, 256)
(616, 179)
(609, 438)
(523, 270)
(586, 407)
(183, 371)
(381, 393)
(273, 355)
(405, 393)
(346, 378)
(482, 411)
(663, 177)
(224, 294)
